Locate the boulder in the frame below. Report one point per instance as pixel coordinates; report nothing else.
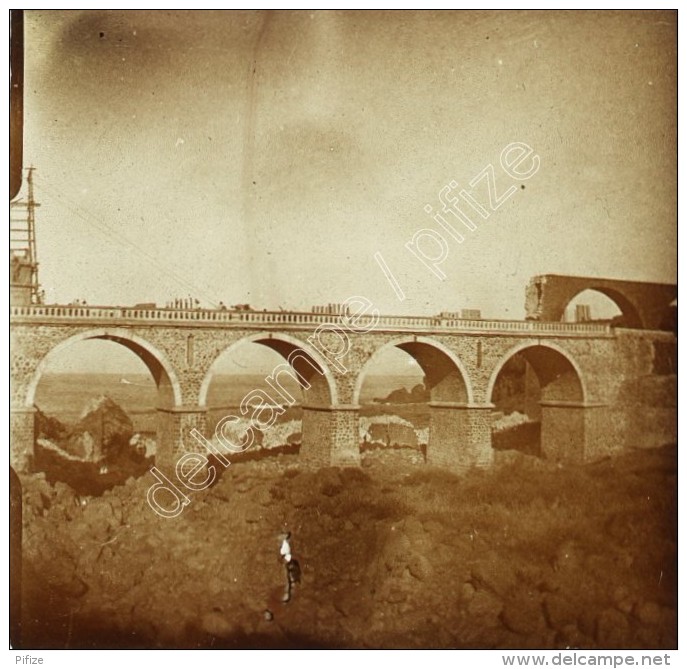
(102, 431)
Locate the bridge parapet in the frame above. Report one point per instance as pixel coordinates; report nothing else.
(293, 319)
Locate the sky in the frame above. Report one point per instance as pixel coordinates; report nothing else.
(265, 157)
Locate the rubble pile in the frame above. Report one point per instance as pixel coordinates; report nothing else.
(393, 555)
(98, 451)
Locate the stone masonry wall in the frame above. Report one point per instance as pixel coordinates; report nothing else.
(628, 378)
(317, 438)
(563, 433)
(459, 437)
(645, 400)
(345, 450)
(174, 434)
(22, 438)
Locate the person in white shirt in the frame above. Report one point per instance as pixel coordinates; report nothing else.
(285, 550)
(293, 568)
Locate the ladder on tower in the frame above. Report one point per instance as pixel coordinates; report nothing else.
(23, 255)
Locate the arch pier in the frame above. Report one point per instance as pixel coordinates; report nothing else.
(564, 408)
(459, 428)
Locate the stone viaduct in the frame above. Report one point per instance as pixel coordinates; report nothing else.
(604, 389)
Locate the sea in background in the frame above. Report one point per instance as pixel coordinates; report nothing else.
(64, 396)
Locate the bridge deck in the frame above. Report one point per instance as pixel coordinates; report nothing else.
(129, 316)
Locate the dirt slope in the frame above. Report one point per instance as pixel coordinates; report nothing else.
(393, 555)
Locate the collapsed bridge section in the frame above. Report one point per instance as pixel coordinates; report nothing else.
(647, 306)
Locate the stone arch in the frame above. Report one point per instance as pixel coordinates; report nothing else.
(155, 360)
(563, 397)
(641, 302)
(308, 364)
(458, 429)
(447, 377)
(539, 363)
(630, 314)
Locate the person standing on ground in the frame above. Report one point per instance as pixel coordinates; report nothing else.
(293, 568)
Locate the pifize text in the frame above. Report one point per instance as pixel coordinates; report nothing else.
(27, 659)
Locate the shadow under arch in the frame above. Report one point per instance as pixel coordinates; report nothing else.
(169, 388)
(447, 378)
(311, 370)
(630, 314)
(563, 397)
(546, 364)
(452, 440)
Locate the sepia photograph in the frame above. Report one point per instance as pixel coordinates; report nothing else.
(344, 329)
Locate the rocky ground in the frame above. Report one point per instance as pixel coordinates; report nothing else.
(93, 454)
(393, 555)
